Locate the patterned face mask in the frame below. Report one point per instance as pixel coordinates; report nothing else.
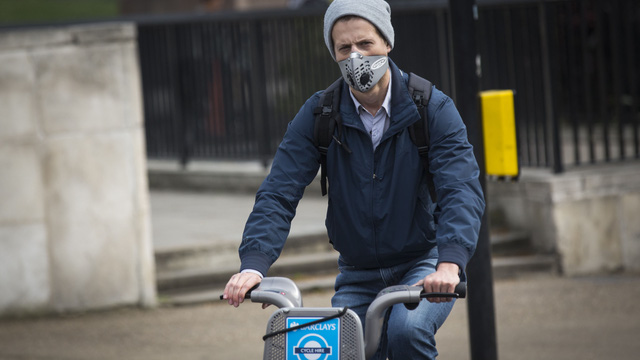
(363, 72)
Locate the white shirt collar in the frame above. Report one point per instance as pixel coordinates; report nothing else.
(386, 104)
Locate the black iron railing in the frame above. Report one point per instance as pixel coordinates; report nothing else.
(574, 65)
(224, 86)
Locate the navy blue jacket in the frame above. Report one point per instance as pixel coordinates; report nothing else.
(380, 213)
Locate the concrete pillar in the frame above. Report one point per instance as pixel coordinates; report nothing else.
(74, 216)
(589, 217)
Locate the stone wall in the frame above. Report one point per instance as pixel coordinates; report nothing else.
(74, 211)
(589, 217)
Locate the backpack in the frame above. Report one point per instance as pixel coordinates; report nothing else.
(327, 118)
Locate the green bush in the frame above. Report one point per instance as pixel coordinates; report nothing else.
(43, 11)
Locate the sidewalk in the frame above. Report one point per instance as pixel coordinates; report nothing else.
(206, 206)
(196, 238)
(538, 317)
(197, 234)
(192, 219)
(199, 213)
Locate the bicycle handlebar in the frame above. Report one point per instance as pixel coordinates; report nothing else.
(279, 291)
(283, 292)
(410, 296)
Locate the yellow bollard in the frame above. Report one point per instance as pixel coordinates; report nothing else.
(498, 125)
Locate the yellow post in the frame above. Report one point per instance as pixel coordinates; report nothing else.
(498, 124)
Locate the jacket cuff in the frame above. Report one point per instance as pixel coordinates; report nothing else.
(453, 253)
(256, 261)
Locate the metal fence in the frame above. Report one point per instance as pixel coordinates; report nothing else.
(574, 66)
(224, 86)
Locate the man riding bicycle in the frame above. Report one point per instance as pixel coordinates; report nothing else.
(381, 217)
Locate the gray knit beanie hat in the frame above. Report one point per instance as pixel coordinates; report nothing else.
(377, 12)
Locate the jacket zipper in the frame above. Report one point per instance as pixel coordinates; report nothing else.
(374, 178)
(374, 226)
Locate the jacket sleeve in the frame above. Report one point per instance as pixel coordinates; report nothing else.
(294, 166)
(455, 173)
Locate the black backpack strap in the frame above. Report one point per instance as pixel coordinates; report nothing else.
(420, 90)
(327, 114)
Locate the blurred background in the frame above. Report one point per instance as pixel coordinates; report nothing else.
(134, 134)
(571, 64)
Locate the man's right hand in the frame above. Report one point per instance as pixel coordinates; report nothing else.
(238, 286)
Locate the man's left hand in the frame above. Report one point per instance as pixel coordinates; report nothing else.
(443, 280)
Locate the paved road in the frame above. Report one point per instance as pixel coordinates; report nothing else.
(538, 317)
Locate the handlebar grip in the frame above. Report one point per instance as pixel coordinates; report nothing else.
(461, 290)
(247, 295)
(278, 291)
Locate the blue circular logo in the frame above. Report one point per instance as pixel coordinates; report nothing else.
(312, 347)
